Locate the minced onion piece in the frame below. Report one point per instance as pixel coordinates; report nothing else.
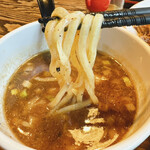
(23, 93)
(127, 81)
(14, 91)
(130, 107)
(27, 84)
(106, 62)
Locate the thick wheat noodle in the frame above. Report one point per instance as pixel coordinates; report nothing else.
(71, 32)
(54, 36)
(94, 37)
(80, 94)
(78, 84)
(79, 81)
(65, 68)
(67, 46)
(61, 13)
(58, 36)
(93, 40)
(65, 100)
(73, 49)
(59, 96)
(74, 100)
(69, 96)
(54, 55)
(74, 106)
(70, 35)
(82, 49)
(73, 21)
(79, 51)
(91, 93)
(82, 55)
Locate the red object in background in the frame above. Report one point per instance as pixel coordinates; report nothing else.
(131, 2)
(97, 5)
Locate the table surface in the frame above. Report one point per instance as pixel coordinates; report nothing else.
(15, 13)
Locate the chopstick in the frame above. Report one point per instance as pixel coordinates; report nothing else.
(124, 12)
(111, 14)
(117, 18)
(127, 21)
(46, 7)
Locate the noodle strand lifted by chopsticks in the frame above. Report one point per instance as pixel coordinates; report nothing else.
(73, 48)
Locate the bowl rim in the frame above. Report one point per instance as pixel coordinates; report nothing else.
(144, 3)
(131, 142)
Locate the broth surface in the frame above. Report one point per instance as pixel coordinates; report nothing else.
(26, 105)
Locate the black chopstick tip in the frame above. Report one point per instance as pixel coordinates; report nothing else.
(140, 16)
(43, 29)
(40, 20)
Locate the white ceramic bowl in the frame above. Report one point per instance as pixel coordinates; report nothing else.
(142, 4)
(130, 50)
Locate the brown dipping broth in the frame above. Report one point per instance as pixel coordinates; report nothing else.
(26, 108)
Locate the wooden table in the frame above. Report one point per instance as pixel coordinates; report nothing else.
(15, 13)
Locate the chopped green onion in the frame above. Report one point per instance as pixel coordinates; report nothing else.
(50, 98)
(106, 62)
(27, 84)
(127, 81)
(14, 92)
(23, 93)
(130, 107)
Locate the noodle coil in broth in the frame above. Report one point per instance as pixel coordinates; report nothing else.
(74, 97)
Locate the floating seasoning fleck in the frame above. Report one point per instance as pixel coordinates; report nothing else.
(58, 69)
